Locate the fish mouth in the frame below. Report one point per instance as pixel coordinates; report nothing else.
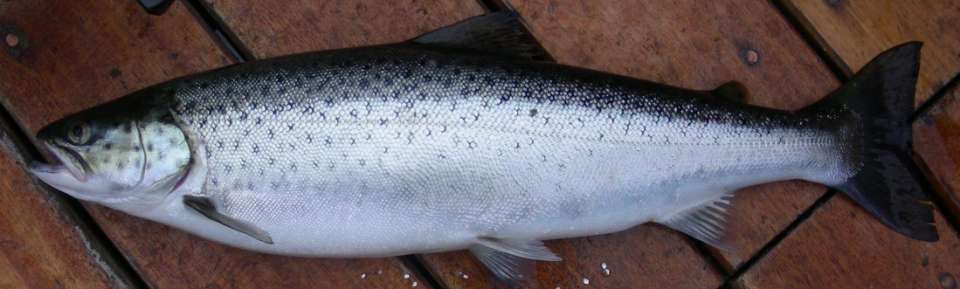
(67, 160)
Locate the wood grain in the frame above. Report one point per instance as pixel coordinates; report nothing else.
(841, 246)
(854, 31)
(936, 139)
(695, 44)
(42, 244)
(72, 55)
(273, 28)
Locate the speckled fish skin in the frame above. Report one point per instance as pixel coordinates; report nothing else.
(401, 149)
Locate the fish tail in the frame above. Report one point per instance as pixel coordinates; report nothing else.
(878, 101)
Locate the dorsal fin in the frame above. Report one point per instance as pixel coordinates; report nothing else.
(731, 91)
(501, 33)
(706, 222)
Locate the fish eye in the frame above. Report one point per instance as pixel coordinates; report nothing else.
(78, 134)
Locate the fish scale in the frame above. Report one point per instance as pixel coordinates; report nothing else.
(405, 137)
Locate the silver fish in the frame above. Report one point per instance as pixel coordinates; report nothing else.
(458, 140)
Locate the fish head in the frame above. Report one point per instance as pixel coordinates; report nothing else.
(121, 153)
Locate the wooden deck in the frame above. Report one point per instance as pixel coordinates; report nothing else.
(62, 56)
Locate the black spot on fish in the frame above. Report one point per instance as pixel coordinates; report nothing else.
(108, 146)
(256, 148)
(290, 126)
(533, 112)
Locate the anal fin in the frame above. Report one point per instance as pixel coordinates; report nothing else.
(205, 207)
(510, 259)
(706, 222)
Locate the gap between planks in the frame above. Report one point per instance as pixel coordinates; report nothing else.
(219, 32)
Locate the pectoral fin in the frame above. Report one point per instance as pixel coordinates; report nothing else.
(206, 208)
(705, 222)
(509, 259)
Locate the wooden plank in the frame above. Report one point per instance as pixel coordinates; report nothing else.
(42, 244)
(286, 27)
(936, 140)
(72, 55)
(696, 44)
(854, 31)
(840, 246)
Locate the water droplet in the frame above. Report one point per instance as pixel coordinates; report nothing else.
(363, 275)
(586, 281)
(379, 272)
(604, 269)
(414, 283)
(406, 276)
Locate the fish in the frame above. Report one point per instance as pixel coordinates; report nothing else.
(470, 138)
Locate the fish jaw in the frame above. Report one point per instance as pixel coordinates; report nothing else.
(65, 180)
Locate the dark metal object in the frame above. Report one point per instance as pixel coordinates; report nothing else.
(155, 7)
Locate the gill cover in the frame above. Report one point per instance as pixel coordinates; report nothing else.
(125, 153)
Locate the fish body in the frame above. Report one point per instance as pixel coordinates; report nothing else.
(414, 148)
(401, 149)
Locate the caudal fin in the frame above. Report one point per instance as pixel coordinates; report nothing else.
(880, 100)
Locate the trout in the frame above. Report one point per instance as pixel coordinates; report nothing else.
(463, 139)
